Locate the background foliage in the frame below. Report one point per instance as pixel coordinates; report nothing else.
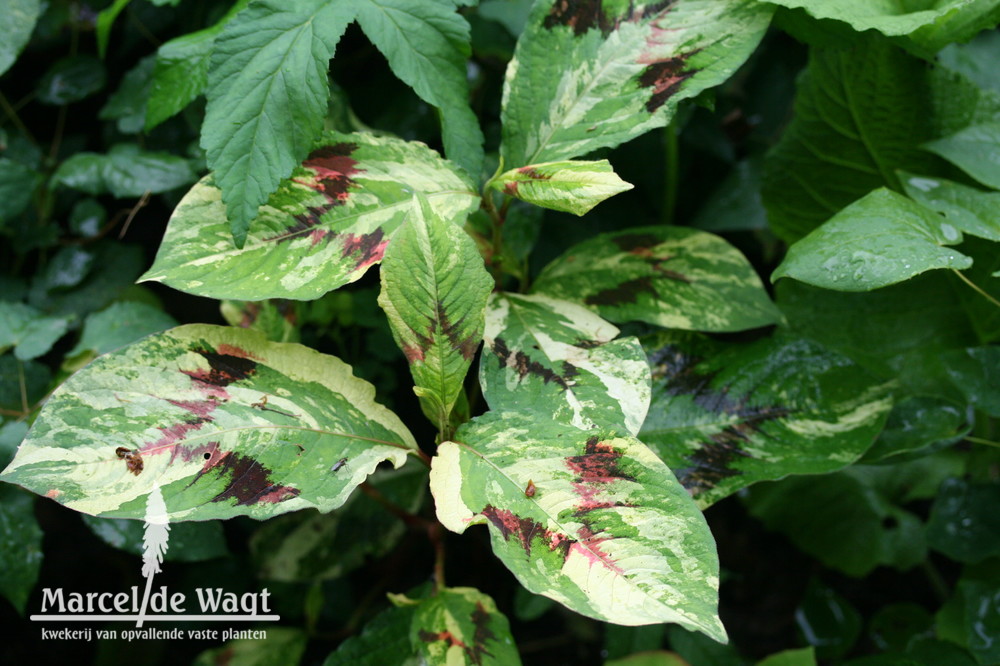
(798, 257)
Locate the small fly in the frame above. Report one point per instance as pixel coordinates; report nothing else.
(340, 463)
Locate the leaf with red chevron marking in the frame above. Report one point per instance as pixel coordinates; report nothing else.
(434, 291)
(223, 421)
(462, 626)
(609, 531)
(324, 227)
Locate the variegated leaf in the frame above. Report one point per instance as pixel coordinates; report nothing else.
(461, 626)
(725, 416)
(434, 291)
(587, 75)
(590, 518)
(323, 228)
(277, 319)
(554, 357)
(670, 276)
(570, 186)
(224, 422)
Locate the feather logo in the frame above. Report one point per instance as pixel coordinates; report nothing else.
(154, 543)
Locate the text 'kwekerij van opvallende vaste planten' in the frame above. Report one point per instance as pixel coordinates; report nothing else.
(640, 259)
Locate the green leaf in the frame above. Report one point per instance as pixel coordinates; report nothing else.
(105, 20)
(384, 640)
(17, 21)
(975, 60)
(970, 210)
(71, 79)
(725, 416)
(860, 114)
(112, 267)
(674, 277)
(307, 546)
(277, 319)
(181, 72)
(555, 358)
(17, 185)
(698, 649)
(735, 205)
(977, 597)
(267, 95)
(323, 228)
(589, 518)
(189, 542)
(20, 546)
(964, 523)
(224, 422)
(975, 150)
(649, 658)
(427, 46)
(120, 324)
(596, 74)
(916, 423)
(128, 104)
(434, 291)
(803, 657)
(845, 521)
(126, 171)
(11, 435)
(462, 626)
(976, 373)
(881, 239)
(569, 186)
(28, 330)
(282, 646)
(828, 621)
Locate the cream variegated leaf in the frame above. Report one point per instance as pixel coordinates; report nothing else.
(570, 186)
(434, 291)
(461, 626)
(674, 277)
(323, 228)
(587, 75)
(589, 518)
(554, 357)
(224, 422)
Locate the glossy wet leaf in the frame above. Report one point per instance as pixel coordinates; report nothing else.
(181, 71)
(976, 372)
(968, 209)
(434, 291)
(127, 106)
(568, 186)
(71, 79)
(606, 531)
(283, 646)
(459, 626)
(881, 239)
(918, 422)
(17, 184)
(735, 205)
(975, 60)
(307, 546)
(20, 546)
(28, 330)
(224, 422)
(561, 360)
(674, 277)
(975, 150)
(11, 435)
(427, 46)
(120, 324)
(267, 94)
(323, 228)
(964, 523)
(725, 416)
(895, 625)
(860, 113)
(189, 542)
(596, 74)
(17, 20)
(979, 599)
(125, 171)
(385, 639)
(113, 267)
(842, 520)
(827, 621)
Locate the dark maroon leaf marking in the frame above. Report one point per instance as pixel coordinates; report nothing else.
(525, 530)
(595, 469)
(712, 461)
(466, 346)
(228, 364)
(524, 366)
(447, 636)
(588, 344)
(665, 77)
(483, 633)
(249, 482)
(626, 292)
(582, 15)
(173, 433)
(200, 408)
(368, 247)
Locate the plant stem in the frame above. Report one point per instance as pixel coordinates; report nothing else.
(980, 440)
(982, 292)
(436, 535)
(671, 173)
(14, 118)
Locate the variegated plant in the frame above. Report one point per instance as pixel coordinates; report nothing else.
(588, 451)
